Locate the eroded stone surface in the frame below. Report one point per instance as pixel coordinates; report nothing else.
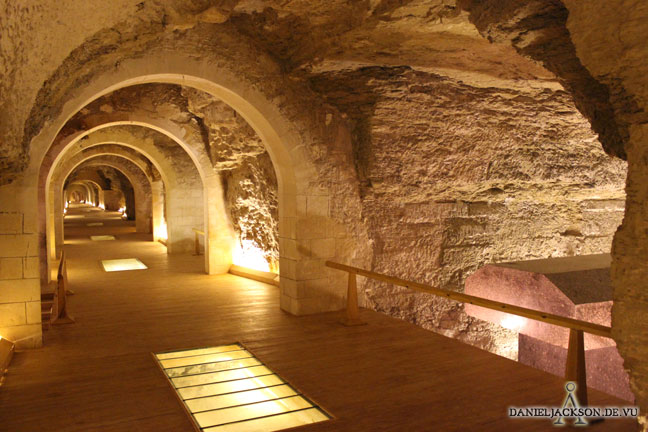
(464, 152)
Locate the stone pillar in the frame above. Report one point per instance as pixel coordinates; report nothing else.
(184, 210)
(159, 223)
(219, 236)
(306, 241)
(59, 233)
(20, 319)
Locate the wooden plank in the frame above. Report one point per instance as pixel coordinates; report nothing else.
(387, 375)
(571, 323)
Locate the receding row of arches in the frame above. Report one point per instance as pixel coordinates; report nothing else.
(175, 181)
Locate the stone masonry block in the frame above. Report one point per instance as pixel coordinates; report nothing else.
(19, 290)
(317, 206)
(11, 223)
(312, 227)
(33, 312)
(310, 269)
(323, 248)
(288, 268)
(11, 268)
(20, 245)
(287, 227)
(12, 314)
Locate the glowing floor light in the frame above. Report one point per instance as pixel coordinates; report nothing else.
(227, 389)
(246, 254)
(102, 237)
(124, 264)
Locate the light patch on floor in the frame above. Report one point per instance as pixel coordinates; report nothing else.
(124, 264)
(102, 237)
(95, 224)
(227, 389)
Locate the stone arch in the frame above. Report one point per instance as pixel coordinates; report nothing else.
(293, 139)
(181, 238)
(134, 173)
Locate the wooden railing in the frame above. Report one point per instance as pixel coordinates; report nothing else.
(60, 314)
(575, 366)
(197, 233)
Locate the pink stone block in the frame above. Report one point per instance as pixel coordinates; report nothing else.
(574, 287)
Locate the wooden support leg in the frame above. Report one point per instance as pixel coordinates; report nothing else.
(575, 368)
(352, 314)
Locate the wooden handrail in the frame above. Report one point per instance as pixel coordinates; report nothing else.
(197, 240)
(575, 366)
(558, 320)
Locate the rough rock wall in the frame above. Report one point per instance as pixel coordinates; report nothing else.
(537, 30)
(455, 176)
(610, 39)
(251, 197)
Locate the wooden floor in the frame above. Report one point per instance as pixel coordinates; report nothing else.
(99, 375)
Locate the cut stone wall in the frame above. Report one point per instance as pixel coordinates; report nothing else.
(455, 176)
(20, 319)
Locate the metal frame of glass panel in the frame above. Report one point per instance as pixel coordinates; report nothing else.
(228, 389)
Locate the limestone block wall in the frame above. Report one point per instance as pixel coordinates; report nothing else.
(20, 319)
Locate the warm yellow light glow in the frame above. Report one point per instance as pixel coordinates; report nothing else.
(102, 237)
(102, 207)
(513, 322)
(124, 264)
(161, 231)
(67, 204)
(226, 388)
(246, 254)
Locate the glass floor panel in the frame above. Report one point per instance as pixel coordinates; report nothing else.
(206, 358)
(102, 237)
(240, 398)
(123, 264)
(273, 423)
(215, 377)
(229, 386)
(227, 389)
(212, 367)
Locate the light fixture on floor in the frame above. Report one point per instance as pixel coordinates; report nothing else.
(102, 237)
(124, 264)
(6, 354)
(227, 389)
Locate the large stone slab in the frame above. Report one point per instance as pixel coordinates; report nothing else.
(575, 287)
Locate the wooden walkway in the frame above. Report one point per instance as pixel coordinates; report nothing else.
(99, 375)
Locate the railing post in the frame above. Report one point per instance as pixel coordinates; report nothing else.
(352, 314)
(575, 368)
